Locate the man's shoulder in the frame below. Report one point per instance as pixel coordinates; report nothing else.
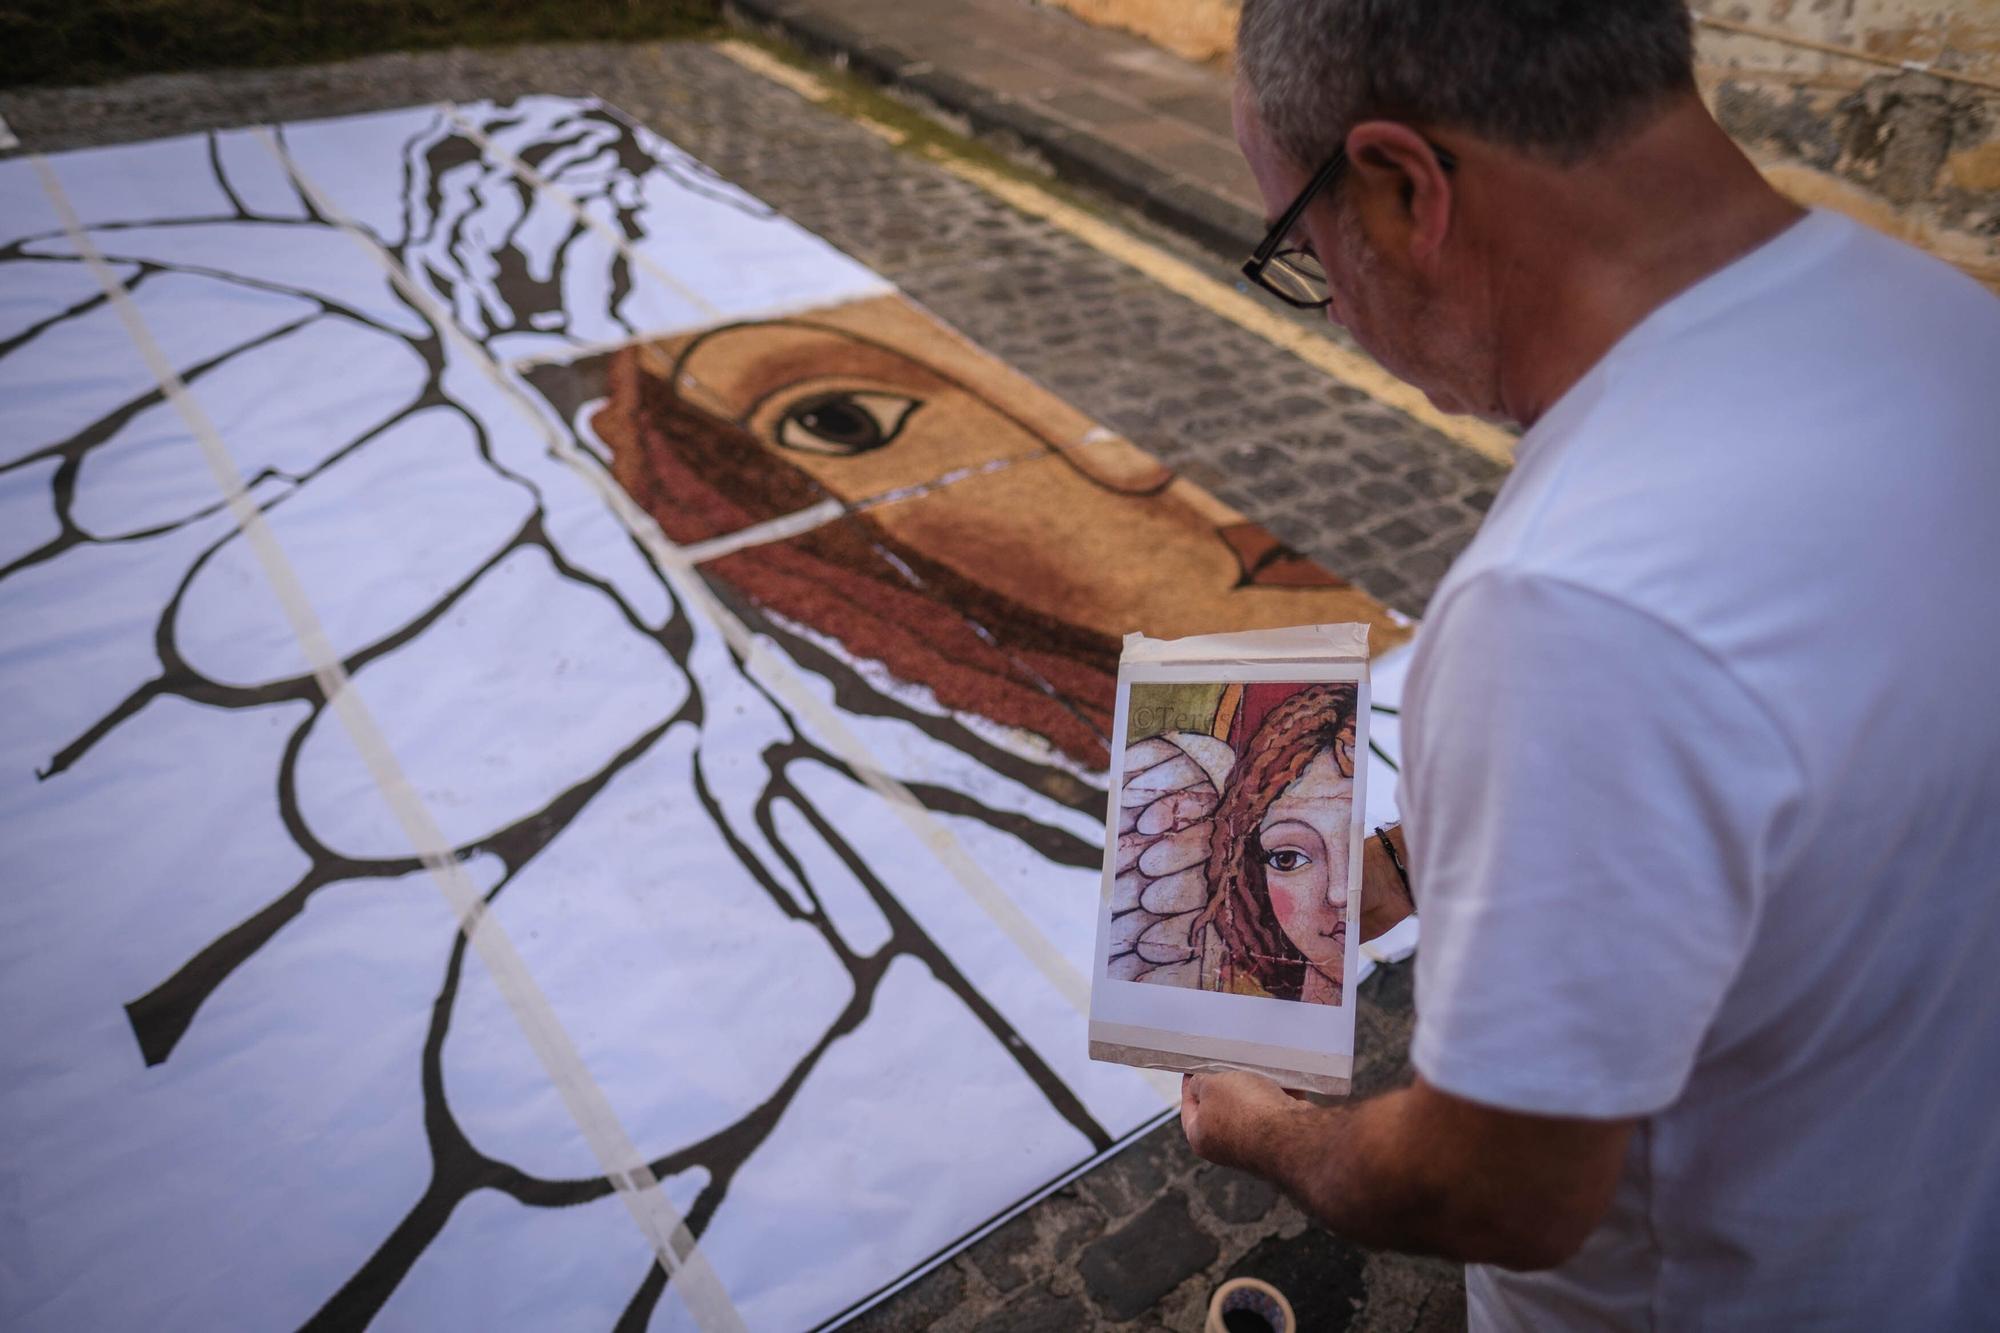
(1828, 319)
(1733, 446)
(1830, 261)
(1918, 277)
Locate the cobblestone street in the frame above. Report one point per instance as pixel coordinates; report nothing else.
(1385, 502)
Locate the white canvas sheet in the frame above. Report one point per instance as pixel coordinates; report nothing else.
(250, 1071)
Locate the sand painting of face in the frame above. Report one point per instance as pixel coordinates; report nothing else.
(1236, 816)
(981, 539)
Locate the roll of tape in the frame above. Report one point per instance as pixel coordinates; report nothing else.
(1251, 1296)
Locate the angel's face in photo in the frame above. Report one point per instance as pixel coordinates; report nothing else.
(1302, 841)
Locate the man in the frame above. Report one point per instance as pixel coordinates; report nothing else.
(1702, 786)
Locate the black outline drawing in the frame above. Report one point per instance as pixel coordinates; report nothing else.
(607, 155)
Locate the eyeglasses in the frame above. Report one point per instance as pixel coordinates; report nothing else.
(1293, 273)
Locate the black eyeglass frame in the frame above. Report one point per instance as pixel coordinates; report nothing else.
(1273, 244)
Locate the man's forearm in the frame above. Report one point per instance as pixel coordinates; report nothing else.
(1353, 1169)
(1413, 1171)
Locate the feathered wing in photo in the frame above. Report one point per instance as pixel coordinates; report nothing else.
(1167, 803)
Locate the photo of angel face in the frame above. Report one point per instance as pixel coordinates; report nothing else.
(1236, 818)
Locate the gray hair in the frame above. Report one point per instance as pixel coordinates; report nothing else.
(1557, 77)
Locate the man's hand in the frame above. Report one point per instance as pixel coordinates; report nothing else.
(1228, 1117)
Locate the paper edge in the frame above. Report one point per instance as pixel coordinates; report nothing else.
(1140, 1057)
(1337, 642)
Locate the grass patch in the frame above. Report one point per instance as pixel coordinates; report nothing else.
(88, 41)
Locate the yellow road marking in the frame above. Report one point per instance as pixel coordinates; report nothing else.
(1184, 279)
(777, 71)
(881, 131)
(799, 81)
(1176, 275)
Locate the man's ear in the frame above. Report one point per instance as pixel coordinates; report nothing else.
(1404, 193)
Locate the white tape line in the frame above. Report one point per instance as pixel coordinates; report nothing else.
(952, 478)
(7, 139)
(711, 312)
(829, 510)
(587, 1104)
(695, 594)
(758, 534)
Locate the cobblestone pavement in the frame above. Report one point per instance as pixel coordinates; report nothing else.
(1140, 1242)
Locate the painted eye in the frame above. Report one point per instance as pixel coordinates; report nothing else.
(1287, 860)
(845, 422)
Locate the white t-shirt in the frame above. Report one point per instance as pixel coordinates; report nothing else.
(1703, 794)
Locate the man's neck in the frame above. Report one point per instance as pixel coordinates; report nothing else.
(1597, 247)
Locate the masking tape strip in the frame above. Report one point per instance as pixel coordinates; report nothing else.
(760, 534)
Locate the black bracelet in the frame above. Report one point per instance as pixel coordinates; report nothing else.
(1396, 860)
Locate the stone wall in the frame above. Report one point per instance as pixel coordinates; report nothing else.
(1203, 30)
(1888, 110)
(1911, 150)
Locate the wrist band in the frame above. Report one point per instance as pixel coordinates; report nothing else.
(1396, 860)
